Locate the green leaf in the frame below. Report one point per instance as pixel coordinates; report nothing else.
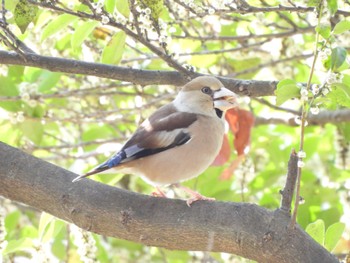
(8, 89)
(38, 112)
(317, 231)
(11, 5)
(33, 130)
(314, 2)
(286, 89)
(241, 65)
(110, 5)
(95, 132)
(341, 27)
(82, 32)
(29, 231)
(49, 234)
(339, 95)
(57, 24)
(11, 220)
(60, 250)
(47, 80)
(332, 6)
(45, 220)
(112, 53)
(203, 61)
(156, 7)
(17, 245)
(25, 13)
(333, 235)
(123, 7)
(324, 30)
(338, 57)
(344, 131)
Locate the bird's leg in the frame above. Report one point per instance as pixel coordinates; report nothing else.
(195, 195)
(158, 192)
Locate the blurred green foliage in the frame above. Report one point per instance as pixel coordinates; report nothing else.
(77, 121)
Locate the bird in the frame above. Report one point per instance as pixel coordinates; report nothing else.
(179, 141)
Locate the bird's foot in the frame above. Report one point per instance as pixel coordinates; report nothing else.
(195, 196)
(198, 197)
(158, 193)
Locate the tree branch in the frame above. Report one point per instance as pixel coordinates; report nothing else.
(243, 229)
(252, 88)
(288, 191)
(284, 34)
(324, 117)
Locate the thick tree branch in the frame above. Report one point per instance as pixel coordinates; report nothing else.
(243, 229)
(252, 88)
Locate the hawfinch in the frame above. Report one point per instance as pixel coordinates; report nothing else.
(178, 141)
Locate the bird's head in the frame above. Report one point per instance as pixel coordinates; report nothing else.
(203, 95)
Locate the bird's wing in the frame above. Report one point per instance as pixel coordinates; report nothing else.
(165, 129)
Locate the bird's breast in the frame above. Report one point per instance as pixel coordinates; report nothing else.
(185, 161)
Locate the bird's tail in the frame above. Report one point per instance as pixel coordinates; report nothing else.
(98, 169)
(112, 162)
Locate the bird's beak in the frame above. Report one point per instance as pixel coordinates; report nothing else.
(225, 99)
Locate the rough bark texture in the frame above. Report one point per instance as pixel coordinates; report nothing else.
(243, 229)
(252, 88)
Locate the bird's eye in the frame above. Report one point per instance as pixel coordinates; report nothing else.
(207, 90)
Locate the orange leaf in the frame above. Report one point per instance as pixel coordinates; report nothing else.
(231, 117)
(241, 123)
(224, 153)
(228, 172)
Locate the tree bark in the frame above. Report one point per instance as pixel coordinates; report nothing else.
(239, 228)
(252, 88)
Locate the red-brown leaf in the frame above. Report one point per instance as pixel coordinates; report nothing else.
(224, 153)
(241, 123)
(228, 172)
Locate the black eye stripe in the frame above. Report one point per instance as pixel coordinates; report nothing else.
(207, 90)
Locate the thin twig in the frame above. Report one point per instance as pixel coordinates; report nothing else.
(302, 129)
(267, 103)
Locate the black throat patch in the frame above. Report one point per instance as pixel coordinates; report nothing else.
(219, 112)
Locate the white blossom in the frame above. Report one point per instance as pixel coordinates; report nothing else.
(325, 91)
(315, 89)
(8, 14)
(172, 30)
(301, 154)
(32, 103)
(303, 92)
(20, 116)
(3, 242)
(297, 120)
(315, 110)
(325, 53)
(104, 19)
(25, 96)
(301, 164)
(331, 78)
(86, 244)
(211, 11)
(148, 11)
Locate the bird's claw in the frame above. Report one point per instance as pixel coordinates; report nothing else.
(197, 197)
(158, 193)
